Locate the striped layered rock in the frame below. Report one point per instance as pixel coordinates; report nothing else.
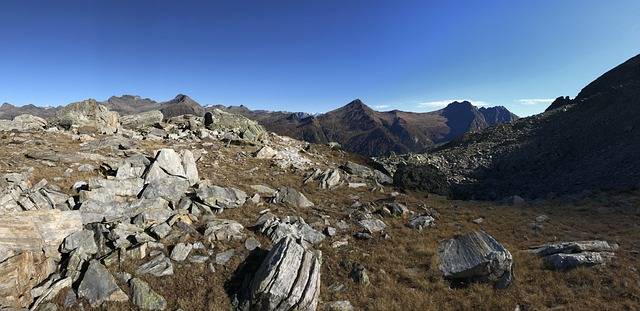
(29, 244)
(288, 278)
(476, 257)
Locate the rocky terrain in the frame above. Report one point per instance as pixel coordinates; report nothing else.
(577, 146)
(213, 212)
(356, 126)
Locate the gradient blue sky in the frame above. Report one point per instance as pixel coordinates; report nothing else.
(313, 55)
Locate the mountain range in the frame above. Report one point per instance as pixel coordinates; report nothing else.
(356, 126)
(362, 130)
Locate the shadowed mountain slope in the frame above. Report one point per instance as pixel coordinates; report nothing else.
(592, 143)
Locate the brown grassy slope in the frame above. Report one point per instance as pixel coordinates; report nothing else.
(403, 269)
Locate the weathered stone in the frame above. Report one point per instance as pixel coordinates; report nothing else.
(216, 196)
(159, 266)
(372, 225)
(584, 259)
(80, 240)
(421, 221)
(170, 188)
(356, 169)
(287, 279)
(224, 230)
(190, 167)
(575, 247)
(476, 256)
(264, 190)
(397, 209)
(19, 274)
(569, 255)
(98, 285)
(181, 251)
(294, 227)
(161, 230)
(144, 297)
(38, 230)
(51, 291)
(291, 196)
(108, 190)
(266, 152)
(329, 179)
(224, 257)
(166, 162)
(141, 120)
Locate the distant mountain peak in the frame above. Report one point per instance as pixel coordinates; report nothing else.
(182, 97)
(356, 104)
(464, 103)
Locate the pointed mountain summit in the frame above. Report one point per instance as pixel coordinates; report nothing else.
(181, 105)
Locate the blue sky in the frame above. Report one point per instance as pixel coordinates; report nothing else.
(313, 56)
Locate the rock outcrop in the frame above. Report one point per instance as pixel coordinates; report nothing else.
(244, 128)
(88, 114)
(288, 279)
(23, 123)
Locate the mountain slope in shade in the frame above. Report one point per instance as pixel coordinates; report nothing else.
(363, 130)
(591, 144)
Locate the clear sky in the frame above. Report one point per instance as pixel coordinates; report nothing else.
(313, 56)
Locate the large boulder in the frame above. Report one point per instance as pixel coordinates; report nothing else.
(476, 256)
(141, 120)
(288, 278)
(88, 114)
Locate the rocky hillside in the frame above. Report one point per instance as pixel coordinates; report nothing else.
(99, 211)
(362, 130)
(588, 143)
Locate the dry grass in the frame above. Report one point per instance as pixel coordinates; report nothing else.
(403, 269)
